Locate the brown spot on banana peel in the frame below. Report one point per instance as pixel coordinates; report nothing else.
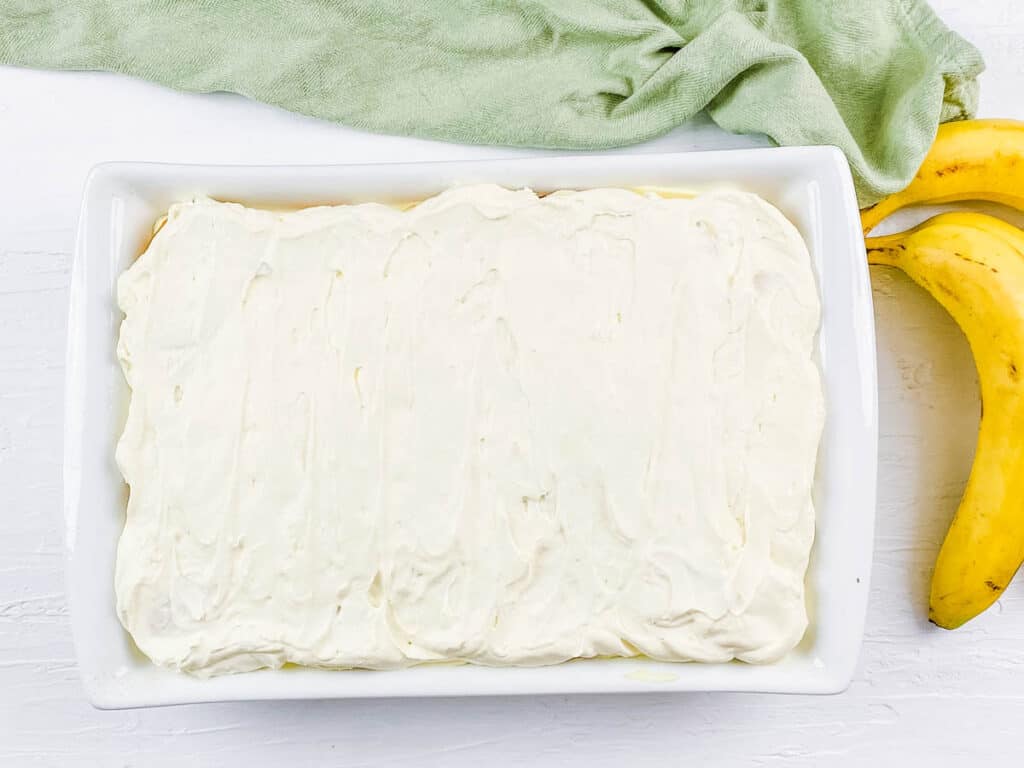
(952, 168)
(969, 260)
(885, 255)
(993, 586)
(978, 262)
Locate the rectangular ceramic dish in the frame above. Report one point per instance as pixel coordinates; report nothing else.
(811, 185)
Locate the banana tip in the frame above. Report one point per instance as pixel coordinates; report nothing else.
(943, 623)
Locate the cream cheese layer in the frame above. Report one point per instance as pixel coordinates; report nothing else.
(493, 428)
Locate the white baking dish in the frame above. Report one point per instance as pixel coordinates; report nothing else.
(811, 185)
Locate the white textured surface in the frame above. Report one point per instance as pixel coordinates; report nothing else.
(921, 695)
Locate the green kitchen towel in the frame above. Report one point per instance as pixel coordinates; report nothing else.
(873, 77)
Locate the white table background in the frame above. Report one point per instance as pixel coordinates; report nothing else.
(921, 695)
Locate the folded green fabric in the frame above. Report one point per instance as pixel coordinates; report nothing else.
(873, 77)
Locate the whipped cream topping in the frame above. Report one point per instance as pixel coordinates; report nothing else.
(494, 428)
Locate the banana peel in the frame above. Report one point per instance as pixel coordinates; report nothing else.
(970, 160)
(973, 265)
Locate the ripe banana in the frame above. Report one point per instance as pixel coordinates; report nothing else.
(970, 160)
(973, 265)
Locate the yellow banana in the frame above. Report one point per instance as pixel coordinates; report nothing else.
(970, 160)
(973, 265)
